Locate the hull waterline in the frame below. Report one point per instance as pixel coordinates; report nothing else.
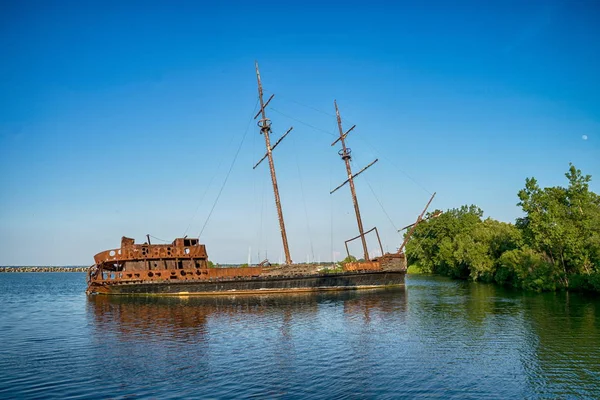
(294, 284)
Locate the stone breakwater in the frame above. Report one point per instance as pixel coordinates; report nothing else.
(43, 269)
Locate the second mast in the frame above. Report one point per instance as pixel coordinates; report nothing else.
(265, 129)
(345, 153)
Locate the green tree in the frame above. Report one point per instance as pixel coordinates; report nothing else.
(348, 259)
(563, 225)
(434, 242)
(556, 244)
(461, 245)
(526, 269)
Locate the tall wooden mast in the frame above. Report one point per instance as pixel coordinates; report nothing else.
(345, 153)
(265, 129)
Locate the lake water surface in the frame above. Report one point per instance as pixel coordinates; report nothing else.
(436, 338)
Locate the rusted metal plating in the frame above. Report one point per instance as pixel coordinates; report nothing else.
(161, 275)
(362, 266)
(265, 128)
(184, 259)
(182, 248)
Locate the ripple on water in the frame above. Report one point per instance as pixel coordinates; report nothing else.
(436, 338)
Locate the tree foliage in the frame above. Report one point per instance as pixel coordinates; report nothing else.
(556, 244)
(348, 259)
(461, 244)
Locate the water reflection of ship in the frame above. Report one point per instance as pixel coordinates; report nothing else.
(188, 316)
(391, 302)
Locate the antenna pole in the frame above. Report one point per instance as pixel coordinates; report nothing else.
(345, 154)
(265, 129)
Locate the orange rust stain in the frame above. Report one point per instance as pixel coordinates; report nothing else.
(110, 277)
(131, 251)
(363, 266)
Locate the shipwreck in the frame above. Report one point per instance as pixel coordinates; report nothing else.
(182, 267)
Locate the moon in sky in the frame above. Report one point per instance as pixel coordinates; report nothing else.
(584, 137)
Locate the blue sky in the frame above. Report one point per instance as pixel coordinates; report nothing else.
(123, 119)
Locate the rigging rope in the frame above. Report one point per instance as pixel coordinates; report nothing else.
(424, 234)
(159, 239)
(376, 198)
(229, 171)
(382, 155)
(394, 164)
(305, 105)
(331, 213)
(206, 191)
(302, 122)
(262, 233)
(386, 214)
(312, 251)
(381, 205)
(259, 198)
(362, 138)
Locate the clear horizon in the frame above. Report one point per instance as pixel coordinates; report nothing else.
(123, 119)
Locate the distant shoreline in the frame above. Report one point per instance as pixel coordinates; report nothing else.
(43, 269)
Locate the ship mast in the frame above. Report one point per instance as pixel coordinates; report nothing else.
(345, 153)
(265, 129)
(414, 226)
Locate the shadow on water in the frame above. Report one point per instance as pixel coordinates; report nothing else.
(183, 316)
(267, 345)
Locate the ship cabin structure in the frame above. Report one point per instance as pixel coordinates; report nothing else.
(184, 259)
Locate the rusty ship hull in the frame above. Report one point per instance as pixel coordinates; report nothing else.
(326, 282)
(182, 268)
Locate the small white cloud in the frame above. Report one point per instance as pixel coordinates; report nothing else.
(584, 137)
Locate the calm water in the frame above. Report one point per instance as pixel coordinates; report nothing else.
(435, 339)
